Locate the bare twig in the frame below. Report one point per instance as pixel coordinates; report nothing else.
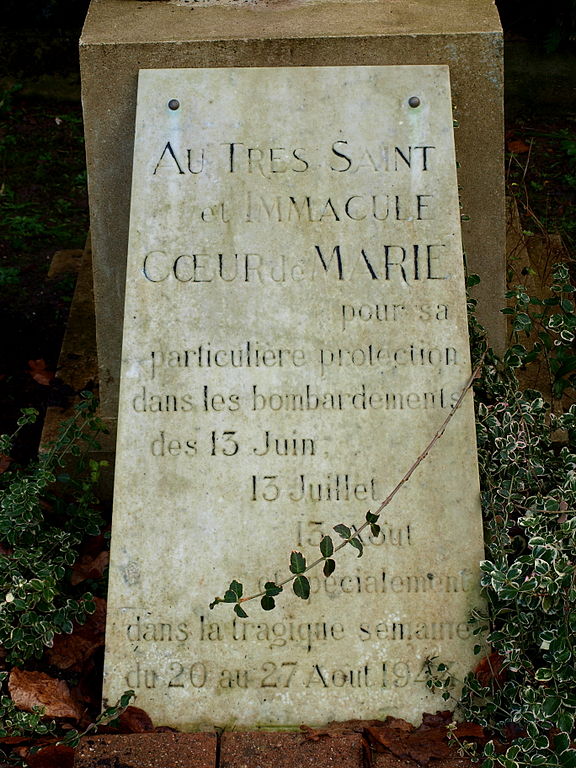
(437, 435)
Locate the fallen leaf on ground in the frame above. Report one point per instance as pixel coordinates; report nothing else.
(490, 668)
(423, 743)
(135, 720)
(419, 745)
(5, 551)
(41, 375)
(88, 567)
(513, 731)
(5, 462)
(72, 651)
(14, 740)
(337, 728)
(30, 689)
(470, 731)
(398, 724)
(54, 756)
(432, 720)
(518, 146)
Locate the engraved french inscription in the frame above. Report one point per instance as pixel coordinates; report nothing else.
(294, 335)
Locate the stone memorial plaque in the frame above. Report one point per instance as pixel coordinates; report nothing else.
(295, 333)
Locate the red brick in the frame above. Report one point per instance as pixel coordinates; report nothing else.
(260, 749)
(148, 750)
(387, 760)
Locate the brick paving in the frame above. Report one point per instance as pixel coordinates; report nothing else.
(331, 748)
(256, 749)
(148, 750)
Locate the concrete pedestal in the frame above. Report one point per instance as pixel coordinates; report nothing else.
(122, 36)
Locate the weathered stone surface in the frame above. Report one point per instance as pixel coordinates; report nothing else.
(148, 750)
(295, 334)
(122, 36)
(286, 750)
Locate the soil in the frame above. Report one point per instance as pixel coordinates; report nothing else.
(541, 173)
(43, 208)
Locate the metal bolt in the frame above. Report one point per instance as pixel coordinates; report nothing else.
(174, 104)
(414, 101)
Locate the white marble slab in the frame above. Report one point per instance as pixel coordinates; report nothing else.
(295, 332)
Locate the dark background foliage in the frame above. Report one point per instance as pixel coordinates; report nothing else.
(41, 35)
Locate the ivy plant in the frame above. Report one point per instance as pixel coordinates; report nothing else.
(46, 511)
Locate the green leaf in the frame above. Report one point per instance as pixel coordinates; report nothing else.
(268, 603)
(329, 567)
(522, 322)
(239, 611)
(357, 544)
(565, 722)
(297, 562)
(301, 587)
(237, 588)
(343, 531)
(561, 742)
(326, 546)
(375, 530)
(568, 758)
(472, 280)
(126, 698)
(371, 518)
(543, 674)
(272, 589)
(230, 597)
(551, 705)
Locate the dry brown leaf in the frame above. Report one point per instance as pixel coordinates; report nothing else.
(337, 728)
(53, 756)
(14, 740)
(41, 375)
(135, 720)
(428, 741)
(5, 551)
(5, 462)
(30, 689)
(490, 668)
(421, 744)
(72, 651)
(468, 731)
(518, 146)
(398, 724)
(88, 567)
